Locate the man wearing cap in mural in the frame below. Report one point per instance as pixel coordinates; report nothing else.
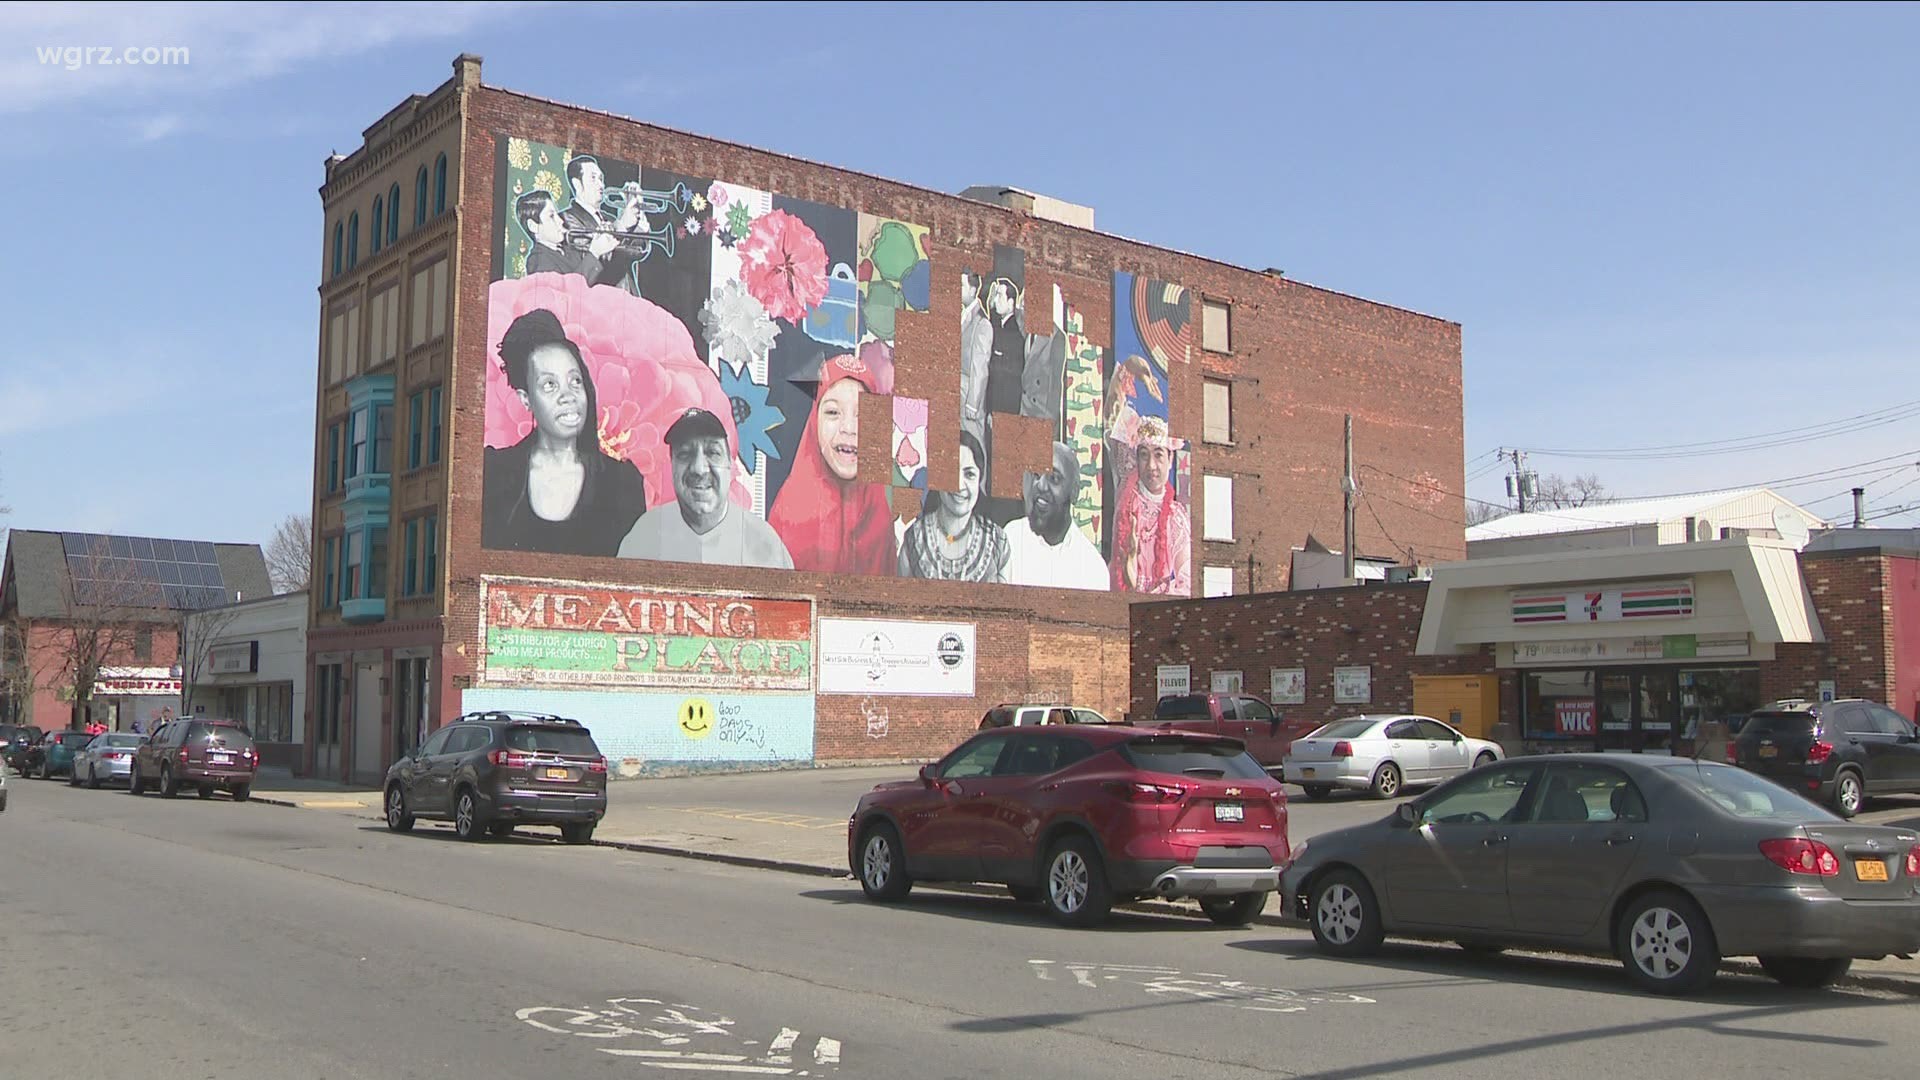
(1152, 533)
(1047, 549)
(704, 526)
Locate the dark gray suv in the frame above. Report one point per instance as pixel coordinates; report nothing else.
(488, 772)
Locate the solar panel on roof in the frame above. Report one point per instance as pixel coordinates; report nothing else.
(142, 547)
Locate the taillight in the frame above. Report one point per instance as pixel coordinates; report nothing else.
(598, 764)
(511, 760)
(1343, 748)
(1733, 753)
(1819, 752)
(1146, 793)
(1913, 862)
(1805, 856)
(183, 753)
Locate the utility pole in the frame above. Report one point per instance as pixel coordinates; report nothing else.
(1520, 484)
(1347, 488)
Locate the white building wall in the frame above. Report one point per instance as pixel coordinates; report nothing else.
(279, 624)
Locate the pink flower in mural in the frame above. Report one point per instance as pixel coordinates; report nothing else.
(784, 265)
(641, 359)
(906, 457)
(717, 195)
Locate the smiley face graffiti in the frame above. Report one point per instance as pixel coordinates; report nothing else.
(696, 718)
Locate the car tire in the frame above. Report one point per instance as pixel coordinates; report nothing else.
(1849, 793)
(1025, 894)
(882, 865)
(241, 792)
(73, 778)
(1485, 759)
(1804, 972)
(398, 819)
(1317, 791)
(1666, 943)
(468, 822)
(205, 791)
(1386, 781)
(1344, 915)
(578, 833)
(93, 778)
(135, 785)
(1076, 892)
(1233, 910)
(169, 787)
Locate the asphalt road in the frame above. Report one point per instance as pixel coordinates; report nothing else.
(208, 939)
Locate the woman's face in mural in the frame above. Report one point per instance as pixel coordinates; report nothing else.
(1155, 462)
(961, 500)
(556, 391)
(840, 428)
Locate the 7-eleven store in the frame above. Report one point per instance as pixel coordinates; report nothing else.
(1629, 649)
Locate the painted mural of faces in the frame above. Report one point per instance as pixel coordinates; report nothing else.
(969, 289)
(556, 392)
(1154, 461)
(1001, 298)
(1050, 494)
(702, 468)
(961, 500)
(590, 185)
(548, 228)
(839, 428)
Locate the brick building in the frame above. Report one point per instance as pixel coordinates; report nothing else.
(975, 428)
(1731, 625)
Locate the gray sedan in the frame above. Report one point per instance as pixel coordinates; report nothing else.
(1667, 863)
(107, 759)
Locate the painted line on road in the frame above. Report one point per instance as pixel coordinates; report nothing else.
(334, 804)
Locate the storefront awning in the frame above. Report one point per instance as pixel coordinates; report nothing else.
(1713, 591)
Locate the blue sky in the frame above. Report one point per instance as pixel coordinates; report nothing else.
(1657, 225)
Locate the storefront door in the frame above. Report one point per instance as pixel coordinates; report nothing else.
(1637, 710)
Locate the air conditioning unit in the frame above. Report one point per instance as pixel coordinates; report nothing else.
(1400, 574)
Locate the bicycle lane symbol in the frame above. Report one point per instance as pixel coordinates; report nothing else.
(671, 1035)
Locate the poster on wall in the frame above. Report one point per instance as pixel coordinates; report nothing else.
(553, 633)
(1573, 716)
(700, 348)
(1174, 679)
(1226, 682)
(1353, 685)
(877, 656)
(1289, 686)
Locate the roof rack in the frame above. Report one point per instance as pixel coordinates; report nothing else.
(510, 715)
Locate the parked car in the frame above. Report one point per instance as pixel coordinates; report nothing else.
(3, 789)
(107, 758)
(1840, 753)
(16, 743)
(1383, 755)
(1030, 715)
(202, 753)
(491, 771)
(1267, 733)
(1080, 817)
(1668, 864)
(53, 755)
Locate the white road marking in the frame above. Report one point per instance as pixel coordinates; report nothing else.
(780, 1052)
(826, 1052)
(622, 1051)
(1085, 978)
(763, 1070)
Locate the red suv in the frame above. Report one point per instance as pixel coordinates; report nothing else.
(199, 753)
(1080, 817)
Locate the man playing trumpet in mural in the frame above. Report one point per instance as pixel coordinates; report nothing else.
(590, 228)
(1152, 533)
(549, 252)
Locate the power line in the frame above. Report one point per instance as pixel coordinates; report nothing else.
(1742, 443)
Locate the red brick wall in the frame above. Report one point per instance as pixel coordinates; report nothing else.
(1903, 599)
(47, 651)
(1319, 630)
(1302, 358)
(1849, 590)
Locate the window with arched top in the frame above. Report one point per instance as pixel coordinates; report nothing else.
(379, 212)
(353, 239)
(440, 185)
(339, 246)
(420, 197)
(393, 215)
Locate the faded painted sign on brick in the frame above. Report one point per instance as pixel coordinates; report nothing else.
(567, 634)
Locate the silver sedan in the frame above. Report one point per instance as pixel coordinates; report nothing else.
(107, 759)
(1383, 755)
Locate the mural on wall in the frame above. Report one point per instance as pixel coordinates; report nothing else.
(676, 365)
(665, 680)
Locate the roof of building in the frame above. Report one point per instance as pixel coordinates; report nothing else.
(47, 569)
(1610, 515)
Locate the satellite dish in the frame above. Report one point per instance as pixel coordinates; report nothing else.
(1703, 530)
(1790, 525)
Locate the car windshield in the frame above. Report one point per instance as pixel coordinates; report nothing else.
(1181, 757)
(1343, 729)
(127, 742)
(553, 740)
(1743, 794)
(75, 739)
(1780, 723)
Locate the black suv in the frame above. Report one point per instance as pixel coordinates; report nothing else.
(1835, 752)
(490, 771)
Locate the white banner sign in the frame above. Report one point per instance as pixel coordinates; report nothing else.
(231, 659)
(1289, 686)
(880, 656)
(1175, 679)
(1352, 685)
(1226, 682)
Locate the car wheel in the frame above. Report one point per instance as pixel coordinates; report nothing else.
(135, 785)
(241, 792)
(883, 865)
(1485, 759)
(1849, 794)
(1077, 892)
(398, 819)
(169, 787)
(1386, 781)
(73, 778)
(467, 822)
(577, 833)
(1666, 944)
(1317, 791)
(1804, 972)
(205, 791)
(1233, 910)
(1025, 894)
(1344, 914)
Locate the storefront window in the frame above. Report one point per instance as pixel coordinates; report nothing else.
(1559, 705)
(1722, 695)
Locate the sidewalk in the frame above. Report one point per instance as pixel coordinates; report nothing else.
(796, 821)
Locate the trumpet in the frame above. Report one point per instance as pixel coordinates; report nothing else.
(615, 200)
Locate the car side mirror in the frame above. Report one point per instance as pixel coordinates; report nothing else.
(1406, 815)
(927, 775)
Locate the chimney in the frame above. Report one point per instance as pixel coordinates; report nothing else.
(1859, 507)
(1032, 204)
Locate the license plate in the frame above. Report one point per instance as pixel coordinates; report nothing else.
(222, 759)
(1769, 751)
(1306, 772)
(1870, 870)
(557, 774)
(1230, 811)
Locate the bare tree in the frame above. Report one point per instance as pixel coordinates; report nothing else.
(112, 613)
(19, 680)
(199, 630)
(1480, 512)
(1556, 492)
(290, 554)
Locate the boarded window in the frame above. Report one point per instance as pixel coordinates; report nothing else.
(1217, 491)
(1216, 326)
(1216, 581)
(1219, 412)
